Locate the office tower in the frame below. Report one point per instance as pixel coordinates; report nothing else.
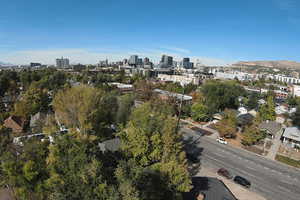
(140, 61)
(62, 62)
(146, 61)
(133, 60)
(166, 61)
(186, 64)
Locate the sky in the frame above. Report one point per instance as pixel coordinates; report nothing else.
(216, 32)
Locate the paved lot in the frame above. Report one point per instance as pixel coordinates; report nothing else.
(269, 178)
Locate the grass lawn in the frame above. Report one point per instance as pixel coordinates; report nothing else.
(288, 161)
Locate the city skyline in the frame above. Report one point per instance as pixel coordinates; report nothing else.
(214, 32)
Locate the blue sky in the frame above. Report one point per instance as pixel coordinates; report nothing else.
(86, 31)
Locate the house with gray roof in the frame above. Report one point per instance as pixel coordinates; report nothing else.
(210, 188)
(271, 127)
(291, 137)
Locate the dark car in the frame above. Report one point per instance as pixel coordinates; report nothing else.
(225, 173)
(242, 181)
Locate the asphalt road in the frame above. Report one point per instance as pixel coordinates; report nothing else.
(270, 179)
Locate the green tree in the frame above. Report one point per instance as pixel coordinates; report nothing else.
(267, 111)
(86, 108)
(151, 139)
(32, 101)
(199, 112)
(228, 125)
(26, 171)
(125, 104)
(220, 95)
(76, 172)
(296, 117)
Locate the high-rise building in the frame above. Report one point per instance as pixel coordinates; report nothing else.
(140, 61)
(166, 61)
(146, 61)
(186, 64)
(62, 62)
(133, 60)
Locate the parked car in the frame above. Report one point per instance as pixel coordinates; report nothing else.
(221, 140)
(224, 172)
(242, 181)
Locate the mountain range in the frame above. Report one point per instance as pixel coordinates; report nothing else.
(280, 64)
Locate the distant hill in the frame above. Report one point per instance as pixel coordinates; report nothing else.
(280, 64)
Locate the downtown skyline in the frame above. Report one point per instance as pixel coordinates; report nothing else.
(214, 32)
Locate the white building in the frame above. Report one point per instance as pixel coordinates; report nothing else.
(285, 79)
(291, 137)
(182, 79)
(242, 76)
(296, 90)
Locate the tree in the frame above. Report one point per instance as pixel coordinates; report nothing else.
(125, 104)
(26, 170)
(267, 111)
(252, 102)
(199, 112)
(227, 126)
(220, 95)
(296, 117)
(85, 108)
(151, 139)
(136, 182)
(76, 172)
(252, 133)
(32, 101)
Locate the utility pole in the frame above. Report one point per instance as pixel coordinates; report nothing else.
(180, 108)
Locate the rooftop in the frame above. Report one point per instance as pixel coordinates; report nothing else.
(176, 95)
(212, 188)
(292, 133)
(272, 126)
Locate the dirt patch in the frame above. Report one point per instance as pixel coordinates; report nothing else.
(235, 141)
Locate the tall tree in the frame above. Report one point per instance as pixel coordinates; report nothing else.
(227, 126)
(151, 139)
(199, 112)
(267, 111)
(32, 101)
(85, 108)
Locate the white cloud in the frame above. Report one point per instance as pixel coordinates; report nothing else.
(176, 49)
(92, 56)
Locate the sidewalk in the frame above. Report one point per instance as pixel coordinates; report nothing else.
(274, 148)
(238, 191)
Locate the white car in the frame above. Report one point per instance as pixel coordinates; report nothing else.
(221, 140)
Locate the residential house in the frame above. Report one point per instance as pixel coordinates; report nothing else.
(272, 128)
(209, 188)
(291, 137)
(16, 123)
(165, 95)
(244, 119)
